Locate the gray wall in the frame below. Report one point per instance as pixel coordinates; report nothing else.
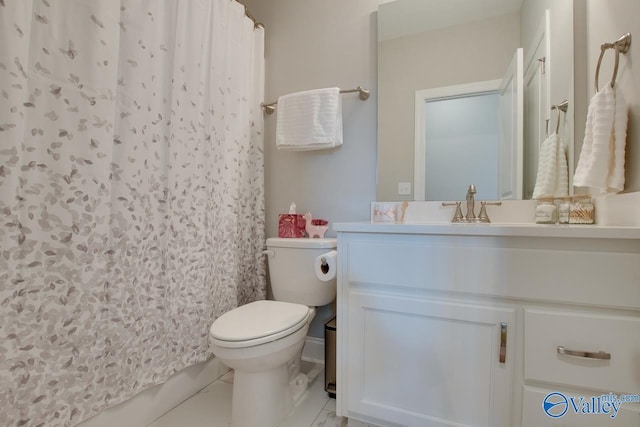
(310, 45)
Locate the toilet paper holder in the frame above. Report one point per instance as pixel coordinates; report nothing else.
(324, 265)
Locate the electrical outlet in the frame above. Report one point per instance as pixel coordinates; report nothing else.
(404, 188)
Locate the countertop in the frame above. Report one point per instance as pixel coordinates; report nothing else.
(504, 229)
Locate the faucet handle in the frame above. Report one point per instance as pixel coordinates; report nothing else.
(483, 216)
(457, 216)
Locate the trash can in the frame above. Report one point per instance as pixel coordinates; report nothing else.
(330, 357)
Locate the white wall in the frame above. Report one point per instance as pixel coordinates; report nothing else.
(310, 45)
(606, 21)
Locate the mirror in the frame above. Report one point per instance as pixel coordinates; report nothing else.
(462, 130)
(428, 45)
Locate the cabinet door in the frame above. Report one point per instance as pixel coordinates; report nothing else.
(419, 362)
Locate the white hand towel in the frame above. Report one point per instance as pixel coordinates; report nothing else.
(310, 120)
(562, 171)
(601, 163)
(553, 175)
(615, 180)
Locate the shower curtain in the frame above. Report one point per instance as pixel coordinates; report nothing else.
(131, 195)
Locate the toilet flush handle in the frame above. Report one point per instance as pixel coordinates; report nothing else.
(269, 252)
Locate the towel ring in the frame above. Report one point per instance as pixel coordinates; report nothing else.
(563, 106)
(621, 46)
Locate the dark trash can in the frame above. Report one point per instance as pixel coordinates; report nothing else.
(330, 357)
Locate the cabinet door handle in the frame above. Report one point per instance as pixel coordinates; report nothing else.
(600, 355)
(503, 343)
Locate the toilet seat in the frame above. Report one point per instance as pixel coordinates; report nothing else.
(257, 323)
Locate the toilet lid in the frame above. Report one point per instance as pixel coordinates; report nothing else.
(257, 320)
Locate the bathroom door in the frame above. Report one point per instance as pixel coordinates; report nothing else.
(510, 163)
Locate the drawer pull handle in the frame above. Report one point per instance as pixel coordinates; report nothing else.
(503, 343)
(600, 355)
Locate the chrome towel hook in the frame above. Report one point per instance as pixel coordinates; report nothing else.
(620, 46)
(563, 106)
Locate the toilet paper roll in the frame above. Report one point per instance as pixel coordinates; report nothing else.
(325, 266)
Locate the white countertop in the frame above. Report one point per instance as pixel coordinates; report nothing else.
(506, 229)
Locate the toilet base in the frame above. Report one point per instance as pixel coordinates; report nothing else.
(262, 410)
(263, 394)
(261, 399)
(298, 386)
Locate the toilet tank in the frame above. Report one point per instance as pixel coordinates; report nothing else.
(291, 270)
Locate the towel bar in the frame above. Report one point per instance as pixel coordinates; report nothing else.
(363, 94)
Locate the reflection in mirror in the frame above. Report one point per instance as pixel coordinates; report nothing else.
(457, 125)
(428, 44)
(463, 131)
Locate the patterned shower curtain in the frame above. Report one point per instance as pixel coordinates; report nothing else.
(131, 195)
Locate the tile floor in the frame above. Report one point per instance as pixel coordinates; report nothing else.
(211, 407)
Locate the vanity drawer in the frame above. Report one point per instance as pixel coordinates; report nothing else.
(618, 336)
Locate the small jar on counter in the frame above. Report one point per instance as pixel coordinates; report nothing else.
(546, 212)
(581, 210)
(564, 206)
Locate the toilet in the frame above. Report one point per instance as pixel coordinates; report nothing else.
(262, 341)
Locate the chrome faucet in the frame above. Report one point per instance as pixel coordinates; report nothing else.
(470, 216)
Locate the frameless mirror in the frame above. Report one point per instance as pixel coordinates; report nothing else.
(431, 45)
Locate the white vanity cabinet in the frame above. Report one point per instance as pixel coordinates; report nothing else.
(438, 328)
